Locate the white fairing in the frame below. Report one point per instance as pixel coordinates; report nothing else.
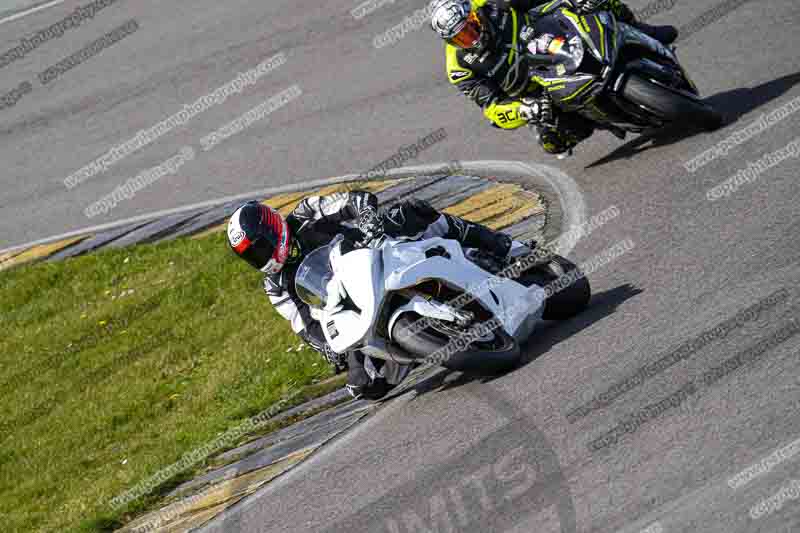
(360, 273)
(367, 275)
(511, 302)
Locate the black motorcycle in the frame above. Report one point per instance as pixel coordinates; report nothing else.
(611, 73)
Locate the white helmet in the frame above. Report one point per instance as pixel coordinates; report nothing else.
(456, 22)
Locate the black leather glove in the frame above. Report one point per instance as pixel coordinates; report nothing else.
(587, 6)
(370, 223)
(537, 110)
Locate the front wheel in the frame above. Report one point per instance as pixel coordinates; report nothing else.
(670, 105)
(495, 354)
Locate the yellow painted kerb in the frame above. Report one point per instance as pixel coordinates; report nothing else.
(40, 252)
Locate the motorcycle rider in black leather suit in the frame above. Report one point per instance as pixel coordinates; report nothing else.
(480, 35)
(277, 246)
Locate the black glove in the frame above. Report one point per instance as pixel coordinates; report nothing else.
(370, 223)
(587, 6)
(537, 110)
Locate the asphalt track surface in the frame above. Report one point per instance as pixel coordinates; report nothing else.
(459, 454)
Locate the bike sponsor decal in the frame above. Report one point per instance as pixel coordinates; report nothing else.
(235, 232)
(332, 331)
(556, 45)
(237, 237)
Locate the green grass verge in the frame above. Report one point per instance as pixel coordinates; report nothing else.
(115, 364)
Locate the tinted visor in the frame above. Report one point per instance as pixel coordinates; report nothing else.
(259, 252)
(470, 34)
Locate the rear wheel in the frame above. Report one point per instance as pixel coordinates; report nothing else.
(570, 291)
(495, 352)
(671, 105)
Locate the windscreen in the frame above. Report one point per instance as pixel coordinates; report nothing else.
(312, 277)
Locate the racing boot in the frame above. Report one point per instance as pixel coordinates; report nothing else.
(363, 382)
(561, 137)
(664, 34)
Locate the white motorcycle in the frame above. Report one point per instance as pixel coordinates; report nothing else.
(431, 300)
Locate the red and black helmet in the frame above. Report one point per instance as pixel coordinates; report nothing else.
(260, 235)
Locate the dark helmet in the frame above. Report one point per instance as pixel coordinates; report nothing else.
(260, 235)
